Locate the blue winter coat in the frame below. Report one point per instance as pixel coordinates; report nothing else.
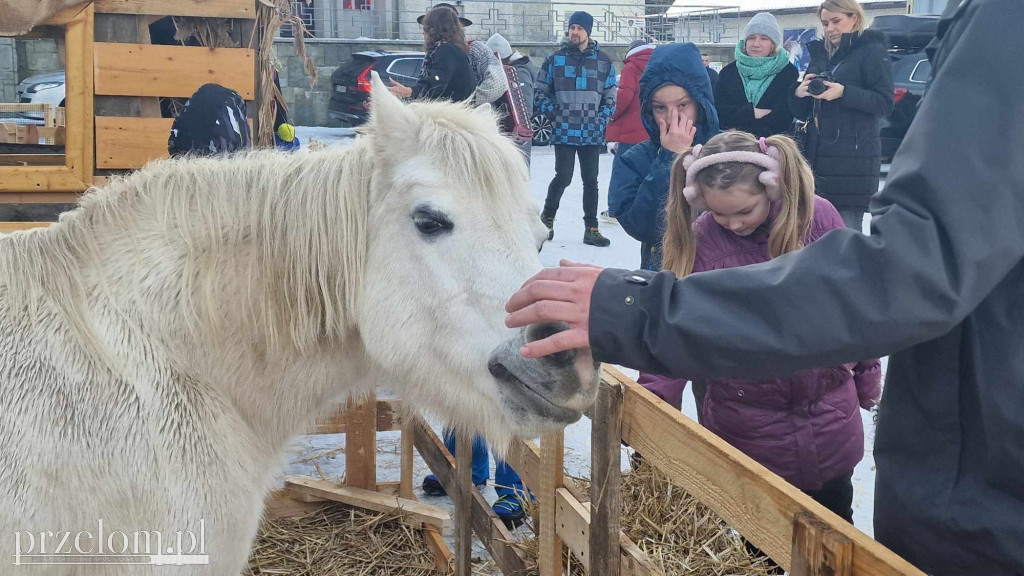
(577, 90)
(639, 184)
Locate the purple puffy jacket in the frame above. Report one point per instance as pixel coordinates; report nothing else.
(805, 427)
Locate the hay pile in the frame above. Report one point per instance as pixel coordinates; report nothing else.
(339, 540)
(678, 533)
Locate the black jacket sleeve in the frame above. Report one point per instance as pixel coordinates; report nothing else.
(781, 118)
(876, 96)
(946, 230)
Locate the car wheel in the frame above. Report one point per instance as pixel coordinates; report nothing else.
(542, 128)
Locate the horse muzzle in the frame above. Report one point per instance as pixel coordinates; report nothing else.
(548, 392)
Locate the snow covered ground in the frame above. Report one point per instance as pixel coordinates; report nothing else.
(624, 252)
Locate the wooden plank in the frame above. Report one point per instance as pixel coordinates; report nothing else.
(8, 227)
(149, 107)
(442, 555)
(751, 499)
(148, 70)
(22, 180)
(129, 143)
(25, 197)
(606, 480)
(199, 8)
(31, 159)
(463, 504)
(552, 454)
(389, 418)
(818, 550)
(489, 529)
(524, 457)
(406, 462)
(573, 523)
(411, 512)
(392, 489)
(361, 444)
(280, 504)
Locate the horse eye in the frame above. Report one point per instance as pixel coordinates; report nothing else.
(431, 223)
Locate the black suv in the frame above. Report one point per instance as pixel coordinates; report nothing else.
(908, 35)
(350, 83)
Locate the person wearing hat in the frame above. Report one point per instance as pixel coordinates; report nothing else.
(489, 76)
(576, 88)
(753, 92)
(445, 74)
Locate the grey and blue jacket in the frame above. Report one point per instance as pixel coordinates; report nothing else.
(577, 90)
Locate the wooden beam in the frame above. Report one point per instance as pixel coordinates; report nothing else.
(751, 499)
(28, 197)
(552, 470)
(606, 480)
(463, 504)
(361, 444)
(148, 70)
(129, 143)
(198, 8)
(8, 227)
(389, 418)
(573, 523)
(406, 463)
(442, 555)
(524, 457)
(489, 529)
(410, 512)
(280, 504)
(818, 550)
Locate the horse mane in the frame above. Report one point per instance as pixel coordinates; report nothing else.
(311, 210)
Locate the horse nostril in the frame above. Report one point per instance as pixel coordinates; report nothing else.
(499, 371)
(543, 330)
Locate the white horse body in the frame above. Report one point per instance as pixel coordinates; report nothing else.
(162, 344)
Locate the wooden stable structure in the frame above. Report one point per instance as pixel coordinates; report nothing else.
(114, 79)
(799, 534)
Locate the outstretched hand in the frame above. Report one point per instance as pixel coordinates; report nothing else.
(555, 295)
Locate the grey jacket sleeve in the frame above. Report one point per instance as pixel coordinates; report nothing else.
(946, 230)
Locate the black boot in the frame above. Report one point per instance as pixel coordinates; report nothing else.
(549, 221)
(593, 237)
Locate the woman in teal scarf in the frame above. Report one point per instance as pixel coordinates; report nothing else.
(753, 92)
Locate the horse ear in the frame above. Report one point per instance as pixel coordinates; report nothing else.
(386, 110)
(485, 109)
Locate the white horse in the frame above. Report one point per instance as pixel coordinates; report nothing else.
(161, 344)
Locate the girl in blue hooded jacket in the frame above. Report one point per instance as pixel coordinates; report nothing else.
(677, 108)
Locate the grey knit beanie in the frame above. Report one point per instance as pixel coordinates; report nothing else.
(499, 44)
(766, 24)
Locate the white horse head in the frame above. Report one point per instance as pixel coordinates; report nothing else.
(453, 232)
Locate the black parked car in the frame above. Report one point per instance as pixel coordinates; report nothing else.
(350, 83)
(908, 35)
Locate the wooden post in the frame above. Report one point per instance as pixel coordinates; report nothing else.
(361, 444)
(552, 453)
(605, 481)
(405, 468)
(818, 550)
(464, 504)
